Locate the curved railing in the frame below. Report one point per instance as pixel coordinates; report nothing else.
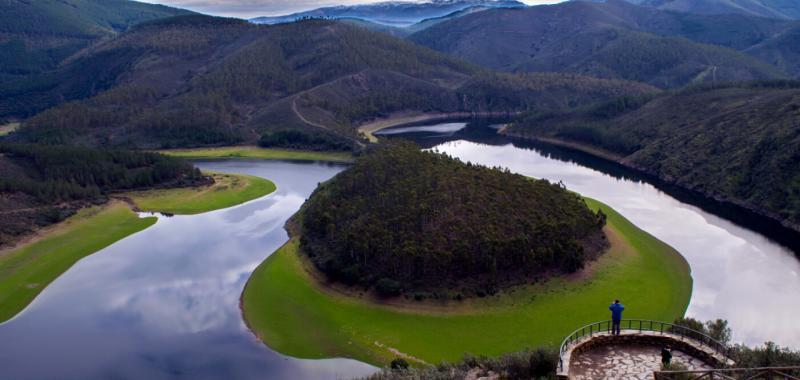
(641, 325)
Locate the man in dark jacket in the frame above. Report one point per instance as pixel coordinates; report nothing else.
(666, 356)
(616, 316)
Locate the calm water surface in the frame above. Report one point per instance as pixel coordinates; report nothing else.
(739, 275)
(163, 303)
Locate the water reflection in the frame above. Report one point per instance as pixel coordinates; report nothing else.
(163, 303)
(739, 274)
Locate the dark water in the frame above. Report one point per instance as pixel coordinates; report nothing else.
(739, 274)
(163, 303)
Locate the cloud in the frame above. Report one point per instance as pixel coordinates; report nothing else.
(255, 8)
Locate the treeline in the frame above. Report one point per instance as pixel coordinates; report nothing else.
(62, 173)
(735, 142)
(404, 220)
(297, 139)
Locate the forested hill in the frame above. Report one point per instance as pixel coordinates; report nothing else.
(775, 9)
(41, 185)
(737, 143)
(37, 35)
(619, 40)
(403, 220)
(198, 80)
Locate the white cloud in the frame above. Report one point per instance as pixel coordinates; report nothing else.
(254, 8)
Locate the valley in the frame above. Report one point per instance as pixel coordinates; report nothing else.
(431, 190)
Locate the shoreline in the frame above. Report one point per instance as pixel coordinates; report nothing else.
(242, 152)
(32, 264)
(368, 129)
(327, 322)
(717, 200)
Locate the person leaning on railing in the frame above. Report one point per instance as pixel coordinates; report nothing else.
(616, 316)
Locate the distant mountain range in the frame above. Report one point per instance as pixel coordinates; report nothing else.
(779, 9)
(392, 13)
(620, 40)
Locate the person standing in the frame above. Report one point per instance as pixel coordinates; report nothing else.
(666, 356)
(616, 316)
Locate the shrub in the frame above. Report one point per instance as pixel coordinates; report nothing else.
(399, 364)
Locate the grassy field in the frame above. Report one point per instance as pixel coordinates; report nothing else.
(297, 316)
(228, 190)
(26, 271)
(259, 153)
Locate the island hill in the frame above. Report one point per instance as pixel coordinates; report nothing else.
(402, 220)
(411, 253)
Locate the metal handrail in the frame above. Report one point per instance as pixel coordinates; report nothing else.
(641, 325)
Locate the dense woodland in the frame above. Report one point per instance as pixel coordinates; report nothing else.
(40, 185)
(403, 220)
(36, 36)
(738, 142)
(214, 81)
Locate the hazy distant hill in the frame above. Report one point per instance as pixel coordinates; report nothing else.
(37, 35)
(611, 40)
(393, 13)
(737, 143)
(198, 80)
(780, 9)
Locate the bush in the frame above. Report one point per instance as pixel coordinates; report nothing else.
(399, 364)
(387, 287)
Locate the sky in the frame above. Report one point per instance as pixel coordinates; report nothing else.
(255, 8)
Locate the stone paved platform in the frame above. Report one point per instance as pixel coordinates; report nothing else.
(625, 362)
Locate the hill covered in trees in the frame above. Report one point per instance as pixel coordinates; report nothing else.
(41, 185)
(213, 81)
(619, 40)
(38, 35)
(401, 220)
(776, 9)
(738, 143)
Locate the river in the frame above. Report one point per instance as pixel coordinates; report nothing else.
(164, 303)
(739, 275)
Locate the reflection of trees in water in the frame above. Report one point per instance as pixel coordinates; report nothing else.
(479, 132)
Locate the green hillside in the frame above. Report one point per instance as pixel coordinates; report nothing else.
(735, 143)
(213, 81)
(38, 35)
(611, 40)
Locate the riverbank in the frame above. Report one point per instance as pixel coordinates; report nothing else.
(316, 321)
(254, 152)
(25, 270)
(228, 190)
(755, 218)
(368, 130)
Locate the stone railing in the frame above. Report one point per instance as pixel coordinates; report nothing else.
(634, 331)
(771, 373)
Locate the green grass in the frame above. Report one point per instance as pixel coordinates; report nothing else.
(295, 315)
(228, 190)
(25, 272)
(259, 153)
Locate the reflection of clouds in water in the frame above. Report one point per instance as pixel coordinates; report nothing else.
(739, 275)
(164, 303)
(447, 128)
